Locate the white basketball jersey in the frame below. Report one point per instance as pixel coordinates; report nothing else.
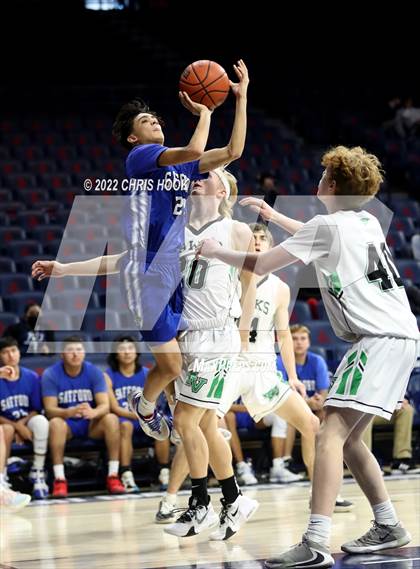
(360, 285)
(211, 288)
(262, 335)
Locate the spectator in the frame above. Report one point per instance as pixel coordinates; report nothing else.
(30, 340)
(20, 407)
(402, 451)
(407, 119)
(267, 188)
(124, 374)
(76, 401)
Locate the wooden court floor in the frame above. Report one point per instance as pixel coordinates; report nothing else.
(105, 532)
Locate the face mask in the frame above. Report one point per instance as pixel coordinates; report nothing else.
(32, 321)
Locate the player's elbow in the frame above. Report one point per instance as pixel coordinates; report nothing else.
(193, 153)
(233, 154)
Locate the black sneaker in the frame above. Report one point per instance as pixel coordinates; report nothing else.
(404, 466)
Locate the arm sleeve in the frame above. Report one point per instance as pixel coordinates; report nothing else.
(98, 381)
(322, 380)
(312, 241)
(144, 159)
(49, 387)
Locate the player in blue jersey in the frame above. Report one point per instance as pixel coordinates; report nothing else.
(20, 407)
(154, 222)
(125, 374)
(75, 397)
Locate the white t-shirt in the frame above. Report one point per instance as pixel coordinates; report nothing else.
(359, 282)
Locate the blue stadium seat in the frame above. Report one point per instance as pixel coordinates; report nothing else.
(47, 233)
(8, 234)
(30, 152)
(62, 151)
(7, 319)
(409, 270)
(24, 248)
(414, 393)
(4, 219)
(322, 313)
(396, 240)
(10, 167)
(28, 220)
(322, 334)
(94, 321)
(404, 224)
(73, 301)
(56, 320)
(70, 249)
(415, 246)
(5, 195)
(7, 265)
(20, 300)
(24, 265)
(55, 180)
(320, 351)
(12, 283)
(406, 208)
(32, 197)
(20, 181)
(41, 167)
(301, 313)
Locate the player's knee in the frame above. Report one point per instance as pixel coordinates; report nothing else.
(9, 432)
(171, 369)
(126, 429)
(110, 421)
(57, 426)
(39, 425)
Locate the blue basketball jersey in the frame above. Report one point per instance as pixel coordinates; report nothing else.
(18, 398)
(122, 385)
(155, 212)
(313, 373)
(71, 391)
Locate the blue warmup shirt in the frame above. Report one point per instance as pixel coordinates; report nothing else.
(313, 373)
(21, 397)
(122, 385)
(157, 199)
(71, 391)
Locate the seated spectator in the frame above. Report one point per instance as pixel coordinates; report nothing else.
(8, 498)
(402, 451)
(20, 407)
(124, 374)
(311, 369)
(407, 119)
(29, 340)
(75, 397)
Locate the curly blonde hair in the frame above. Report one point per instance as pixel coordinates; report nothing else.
(226, 205)
(355, 172)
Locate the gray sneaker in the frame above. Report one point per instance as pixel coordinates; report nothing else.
(306, 554)
(379, 537)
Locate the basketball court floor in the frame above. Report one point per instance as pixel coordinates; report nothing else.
(119, 533)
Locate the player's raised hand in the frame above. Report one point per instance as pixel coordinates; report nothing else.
(207, 248)
(239, 89)
(43, 269)
(194, 108)
(259, 206)
(8, 372)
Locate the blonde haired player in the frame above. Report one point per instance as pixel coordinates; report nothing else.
(209, 347)
(367, 306)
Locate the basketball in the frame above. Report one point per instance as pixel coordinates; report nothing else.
(206, 82)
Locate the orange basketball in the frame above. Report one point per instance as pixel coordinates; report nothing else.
(206, 82)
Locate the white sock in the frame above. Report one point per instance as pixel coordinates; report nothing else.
(146, 408)
(171, 498)
(278, 462)
(240, 465)
(319, 529)
(59, 471)
(288, 457)
(113, 466)
(39, 462)
(385, 513)
(2, 479)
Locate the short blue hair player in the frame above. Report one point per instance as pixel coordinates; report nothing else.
(154, 221)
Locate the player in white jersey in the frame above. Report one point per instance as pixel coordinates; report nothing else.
(259, 385)
(209, 348)
(367, 305)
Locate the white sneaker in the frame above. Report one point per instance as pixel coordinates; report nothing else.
(233, 516)
(164, 478)
(129, 483)
(194, 520)
(13, 500)
(245, 474)
(40, 490)
(283, 475)
(154, 426)
(166, 513)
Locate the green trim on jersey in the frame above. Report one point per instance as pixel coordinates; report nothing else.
(216, 388)
(334, 284)
(354, 368)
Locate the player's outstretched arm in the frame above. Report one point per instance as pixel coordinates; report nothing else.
(195, 148)
(105, 265)
(221, 156)
(258, 263)
(285, 341)
(271, 215)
